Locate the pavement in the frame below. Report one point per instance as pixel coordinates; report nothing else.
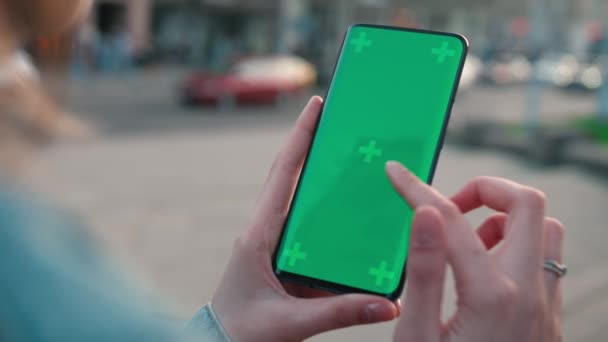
(167, 190)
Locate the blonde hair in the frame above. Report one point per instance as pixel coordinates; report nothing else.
(29, 116)
(34, 18)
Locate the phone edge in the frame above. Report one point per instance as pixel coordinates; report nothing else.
(339, 288)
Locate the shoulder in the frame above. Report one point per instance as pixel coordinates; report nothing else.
(25, 216)
(17, 66)
(57, 285)
(38, 242)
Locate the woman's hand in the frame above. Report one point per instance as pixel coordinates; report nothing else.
(250, 301)
(503, 292)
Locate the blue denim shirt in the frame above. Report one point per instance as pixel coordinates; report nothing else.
(55, 286)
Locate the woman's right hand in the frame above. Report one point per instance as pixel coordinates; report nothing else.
(503, 292)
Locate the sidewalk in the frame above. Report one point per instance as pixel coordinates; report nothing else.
(168, 189)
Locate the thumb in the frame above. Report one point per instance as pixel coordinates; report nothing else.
(421, 317)
(314, 316)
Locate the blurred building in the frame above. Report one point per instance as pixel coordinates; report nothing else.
(212, 33)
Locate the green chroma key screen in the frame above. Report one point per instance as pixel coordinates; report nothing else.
(389, 100)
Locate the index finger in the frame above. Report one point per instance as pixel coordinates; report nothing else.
(525, 208)
(466, 252)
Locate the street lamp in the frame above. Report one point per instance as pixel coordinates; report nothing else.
(537, 14)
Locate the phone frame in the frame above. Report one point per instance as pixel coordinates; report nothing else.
(339, 288)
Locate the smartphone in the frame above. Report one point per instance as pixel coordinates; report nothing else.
(390, 98)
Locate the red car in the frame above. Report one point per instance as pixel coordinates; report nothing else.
(251, 81)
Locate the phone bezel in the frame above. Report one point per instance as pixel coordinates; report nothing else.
(340, 288)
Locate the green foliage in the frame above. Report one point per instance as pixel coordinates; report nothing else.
(593, 127)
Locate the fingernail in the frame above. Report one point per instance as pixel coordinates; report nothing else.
(314, 99)
(424, 238)
(377, 312)
(396, 167)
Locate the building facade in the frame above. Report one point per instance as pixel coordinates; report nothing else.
(204, 32)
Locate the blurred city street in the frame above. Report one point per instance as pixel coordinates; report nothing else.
(156, 122)
(154, 99)
(168, 188)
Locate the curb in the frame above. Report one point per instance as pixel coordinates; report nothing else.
(589, 155)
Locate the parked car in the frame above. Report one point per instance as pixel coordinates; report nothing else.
(558, 70)
(254, 80)
(471, 72)
(507, 69)
(588, 78)
(571, 73)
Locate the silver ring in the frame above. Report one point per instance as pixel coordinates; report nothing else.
(555, 267)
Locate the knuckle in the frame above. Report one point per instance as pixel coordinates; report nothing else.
(244, 243)
(344, 318)
(479, 179)
(448, 209)
(533, 307)
(506, 294)
(500, 298)
(423, 272)
(533, 198)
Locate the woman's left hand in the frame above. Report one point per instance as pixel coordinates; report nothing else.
(252, 304)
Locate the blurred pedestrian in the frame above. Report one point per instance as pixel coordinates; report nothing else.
(115, 51)
(85, 49)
